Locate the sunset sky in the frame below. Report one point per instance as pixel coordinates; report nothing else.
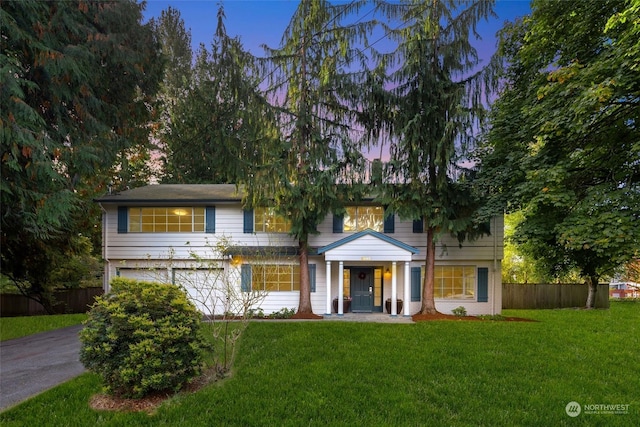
(259, 22)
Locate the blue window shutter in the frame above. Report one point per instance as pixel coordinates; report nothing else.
(245, 278)
(248, 221)
(483, 284)
(416, 275)
(211, 219)
(123, 219)
(418, 225)
(338, 223)
(390, 224)
(312, 277)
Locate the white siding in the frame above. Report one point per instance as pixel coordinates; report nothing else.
(132, 250)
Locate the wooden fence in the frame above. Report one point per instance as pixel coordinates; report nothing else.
(71, 301)
(545, 295)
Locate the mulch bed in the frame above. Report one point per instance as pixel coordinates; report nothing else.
(148, 404)
(441, 316)
(308, 316)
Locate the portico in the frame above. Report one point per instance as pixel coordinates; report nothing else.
(364, 253)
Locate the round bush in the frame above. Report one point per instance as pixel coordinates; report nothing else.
(142, 337)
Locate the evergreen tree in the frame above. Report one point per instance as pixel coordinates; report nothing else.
(436, 108)
(313, 89)
(219, 127)
(76, 82)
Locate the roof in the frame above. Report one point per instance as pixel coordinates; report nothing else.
(369, 232)
(172, 193)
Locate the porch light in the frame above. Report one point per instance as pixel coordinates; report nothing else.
(387, 273)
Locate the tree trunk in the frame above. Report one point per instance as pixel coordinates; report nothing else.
(304, 304)
(592, 282)
(428, 302)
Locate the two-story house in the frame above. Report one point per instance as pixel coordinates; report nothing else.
(361, 255)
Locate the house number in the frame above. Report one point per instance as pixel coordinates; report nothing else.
(365, 258)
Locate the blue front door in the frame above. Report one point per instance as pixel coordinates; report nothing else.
(361, 289)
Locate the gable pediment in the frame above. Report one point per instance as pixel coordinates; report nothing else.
(368, 245)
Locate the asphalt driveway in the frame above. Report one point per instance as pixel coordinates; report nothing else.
(33, 364)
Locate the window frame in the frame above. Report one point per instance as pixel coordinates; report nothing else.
(160, 219)
(473, 296)
(468, 281)
(280, 280)
(357, 227)
(280, 224)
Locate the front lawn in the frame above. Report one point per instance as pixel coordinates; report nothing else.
(454, 373)
(16, 327)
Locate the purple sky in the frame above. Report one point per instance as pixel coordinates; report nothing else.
(259, 22)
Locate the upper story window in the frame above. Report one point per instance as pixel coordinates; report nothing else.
(167, 220)
(267, 221)
(359, 218)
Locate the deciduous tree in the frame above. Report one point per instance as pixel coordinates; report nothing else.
(564, 143)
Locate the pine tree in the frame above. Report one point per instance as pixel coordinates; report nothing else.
(219, 126)
(312, 87)
(436, 105)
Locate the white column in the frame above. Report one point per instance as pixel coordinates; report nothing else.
(340, 288)
(328, 280)
(407, 290)
(394, 290)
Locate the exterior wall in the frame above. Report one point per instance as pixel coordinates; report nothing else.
(142, 250)
(229, 223)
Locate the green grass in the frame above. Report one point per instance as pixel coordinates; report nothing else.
(16, 327)
(453, 373)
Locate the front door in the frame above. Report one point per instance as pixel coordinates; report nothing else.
(361, 289)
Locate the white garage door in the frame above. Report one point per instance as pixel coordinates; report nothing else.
(145, 274)
(200, 285)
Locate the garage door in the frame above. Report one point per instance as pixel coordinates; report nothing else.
(200, 285)
(144, 274)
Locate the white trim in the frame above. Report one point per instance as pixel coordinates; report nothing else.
(328, 285)
(394, 289)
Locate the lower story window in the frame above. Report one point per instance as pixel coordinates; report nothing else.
(275, 277)
(455, 282)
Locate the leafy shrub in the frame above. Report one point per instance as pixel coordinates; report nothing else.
(495, 317)
(283, 313)
(142, 337)
(459, 311)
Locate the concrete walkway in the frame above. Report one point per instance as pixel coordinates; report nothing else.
(35, 363)
(369, 317)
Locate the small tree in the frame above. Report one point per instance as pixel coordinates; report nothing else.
(142, 337)
(214, 286)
